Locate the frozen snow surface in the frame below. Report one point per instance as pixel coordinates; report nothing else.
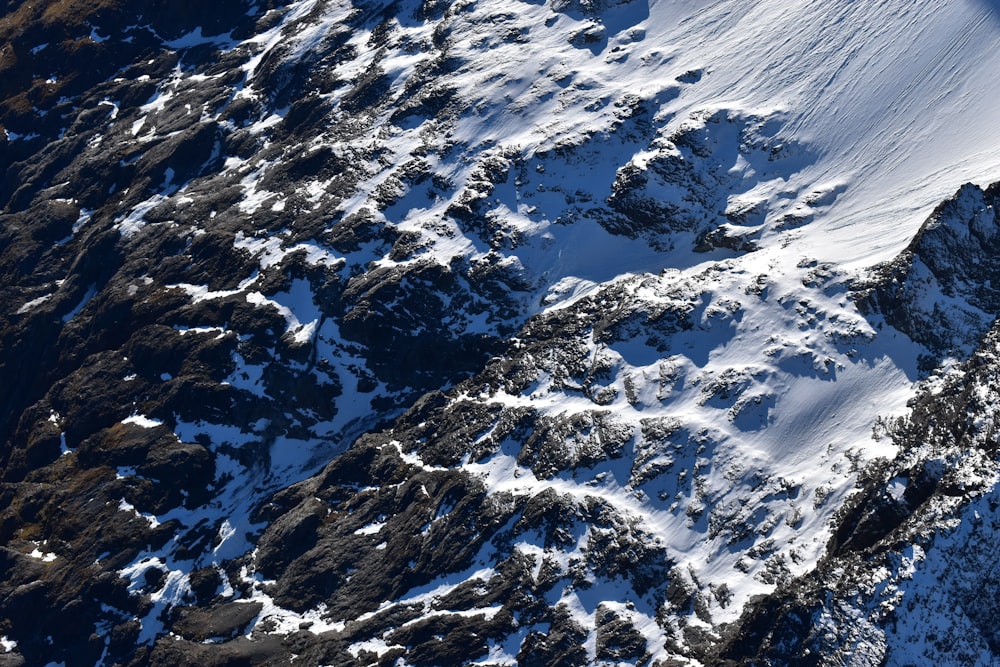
(895, 99)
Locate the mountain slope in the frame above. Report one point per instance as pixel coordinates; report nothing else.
(545, 333)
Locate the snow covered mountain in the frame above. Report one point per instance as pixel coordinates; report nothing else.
(543, 333)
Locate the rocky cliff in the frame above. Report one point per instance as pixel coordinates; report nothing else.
(482, 333)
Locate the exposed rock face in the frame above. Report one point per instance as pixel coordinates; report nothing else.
(942, 291)
(302, 363)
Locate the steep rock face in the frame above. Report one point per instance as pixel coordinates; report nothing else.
(942, 290)
(363, 332)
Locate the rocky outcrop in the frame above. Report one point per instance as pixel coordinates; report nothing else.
(941, 291)
(906, 540)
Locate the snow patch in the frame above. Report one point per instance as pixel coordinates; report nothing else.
(34, 303)
(143, 421)
(130, 224)
(87, 296)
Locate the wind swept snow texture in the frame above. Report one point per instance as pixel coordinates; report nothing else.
(494, 331)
